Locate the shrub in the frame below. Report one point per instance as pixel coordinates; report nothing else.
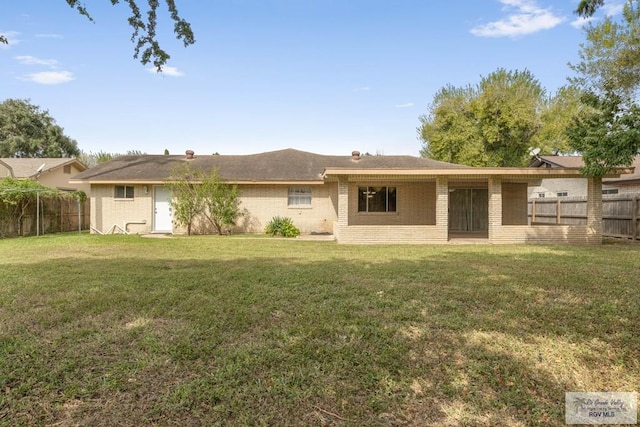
(282, 226)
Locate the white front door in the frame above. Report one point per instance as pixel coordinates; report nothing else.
(162, 219)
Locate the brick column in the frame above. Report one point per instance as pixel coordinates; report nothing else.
(343, 202)
(442, 208)
(594, 210)
(495, 206)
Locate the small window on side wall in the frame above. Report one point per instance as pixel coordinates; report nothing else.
(299, 196)
(124, 192)
(562, 194)
(66, 169)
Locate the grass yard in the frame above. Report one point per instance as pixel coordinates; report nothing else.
(228, 331)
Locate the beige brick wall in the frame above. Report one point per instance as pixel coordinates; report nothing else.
(106, 210)
(390, 234)
(514, 204)
(262, 202)
(572, 234)
(416, 205)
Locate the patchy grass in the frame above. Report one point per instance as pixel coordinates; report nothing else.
(122, 330)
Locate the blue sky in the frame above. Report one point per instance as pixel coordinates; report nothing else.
(326, 76)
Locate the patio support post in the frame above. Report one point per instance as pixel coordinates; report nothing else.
(495, 206)
(594, 210)
(343, 206)
(442, 208)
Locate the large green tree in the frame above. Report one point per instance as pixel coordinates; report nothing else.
(28, 131)
(144, 22)
(496, 122)
(609, 76)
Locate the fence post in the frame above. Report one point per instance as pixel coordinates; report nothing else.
(558, 211)
(533, 210)
(634, 217)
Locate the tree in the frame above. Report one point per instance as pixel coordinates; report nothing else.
(587, 8)
(607, 133)
(196, 194)
(186, 201)
(28, 131)
(609, 76)
(495, 122)
(222, 202)
(147, 48)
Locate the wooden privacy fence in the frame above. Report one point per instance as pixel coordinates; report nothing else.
(57, 214)
(620, 213)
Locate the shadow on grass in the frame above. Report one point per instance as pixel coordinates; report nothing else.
(460, 336)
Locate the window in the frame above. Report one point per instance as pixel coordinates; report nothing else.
(124, 192)
(299, 196)
(562, 193)
(66, 169)
(610, 191)
(540, 195)
(376, 199)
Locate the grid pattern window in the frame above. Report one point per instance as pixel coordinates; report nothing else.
(562, 194)
(540, 195)
(124, 192)
(377, 199)
(610, 191)
(299, 196)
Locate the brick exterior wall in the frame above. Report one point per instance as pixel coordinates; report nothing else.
(260, 202)
(106, 210)
(514, 204)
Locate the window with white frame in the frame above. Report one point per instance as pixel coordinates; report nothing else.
(376, 199)
(610, 191)
(540, 195)
(562, 194)
(299, 196)
(123, 192)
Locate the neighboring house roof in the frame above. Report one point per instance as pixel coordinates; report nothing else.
(577, 162)
(22, 168)
(282, 165)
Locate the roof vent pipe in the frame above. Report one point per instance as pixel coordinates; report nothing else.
(355, 155)
(189, 154)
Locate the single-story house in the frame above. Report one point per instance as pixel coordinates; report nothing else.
(561, 187)
(358, 199)
(50, 172)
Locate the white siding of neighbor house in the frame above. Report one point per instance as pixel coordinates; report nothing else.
(552, 186)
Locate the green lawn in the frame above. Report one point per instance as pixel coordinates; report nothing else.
(129, 331)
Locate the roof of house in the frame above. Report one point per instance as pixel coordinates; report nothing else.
(577, 162)
(30, 167)
(282, 165)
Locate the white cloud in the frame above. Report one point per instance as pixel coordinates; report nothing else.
(612, 9)
(406, 105)
(32, 60)
(524, 17)
(362, 89)
(12, 38)
(581, 22)
(167, 71)
(49, 36)
(49, 77)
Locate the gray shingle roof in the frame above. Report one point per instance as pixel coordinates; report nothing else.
(281, 165)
